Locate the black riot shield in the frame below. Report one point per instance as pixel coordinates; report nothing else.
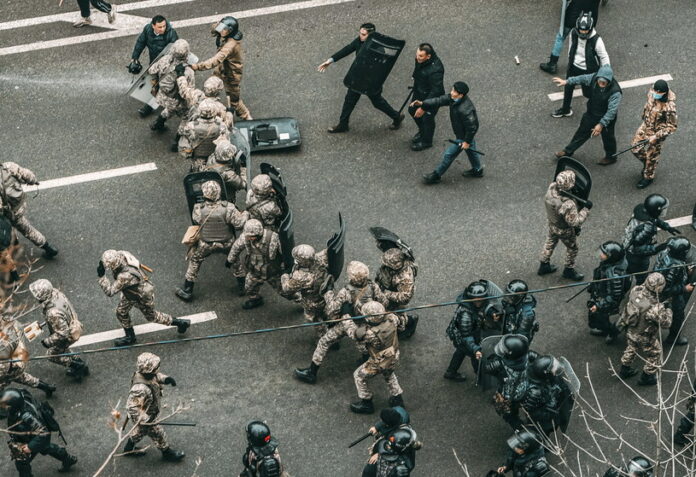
(387, 239)
(484, 380)
(278, 185)
(6, 235)
(242, 143)
(286, 235)
(334, 249)
(373, 64)
(583, 178)
(567, 404)
(271, 133)
(193, 183)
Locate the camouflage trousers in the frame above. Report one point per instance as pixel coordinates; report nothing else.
(146, 305)
(61, 347)
(233, 91)
(16, 374)
(333, 335)
(314, 313)
(23, 226)
(650, 349)
(649, 154)
(199, 252)
(255, 281)
(172, 106)
(569, 239)
(156, 433)
(371, 369)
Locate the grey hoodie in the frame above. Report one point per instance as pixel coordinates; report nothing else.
(607, 73)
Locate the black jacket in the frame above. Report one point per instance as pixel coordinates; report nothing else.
(607, 294)
(576, 7)
(353, 46)
(154, 43)
(428, 79)
(465, 122)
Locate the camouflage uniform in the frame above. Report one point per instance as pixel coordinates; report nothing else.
(13, 346)
(642, 316)
(396, 278)
(168, 95)
(659, 121)
(13, 200)
(135, 287)
(212, 87)
(228, 66)
(307, 277)
(223, 161)
(564, 219)
(144, 399)
(200, 136)
(261, 203)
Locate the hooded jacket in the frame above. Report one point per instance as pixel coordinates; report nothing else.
(603, 102)
(154, 43)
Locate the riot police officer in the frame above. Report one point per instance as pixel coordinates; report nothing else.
(547, 394)
(394, 455)
(607, 290)
(526, 456)
(261, 458)
(639, 466)
(519, 309)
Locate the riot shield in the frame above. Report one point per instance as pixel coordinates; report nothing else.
(484, 380)
(271, 133)
(565, 411)
(193, 183)
(334, 249)
(286, 235)
(278, 185)
(242, 143)
(5, 233)
(583, 178)
(387, 239)
(373, 64)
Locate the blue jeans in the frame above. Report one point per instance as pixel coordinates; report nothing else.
(558, 45)
(451, 153)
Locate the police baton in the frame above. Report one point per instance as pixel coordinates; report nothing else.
(408, 97)
(580, 200)
(577, 294)
(639, 143)
(459, 141)
(359, 440)
(184, 424)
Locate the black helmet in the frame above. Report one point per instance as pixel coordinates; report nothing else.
(656, 205)
(231, 24)
(258, 433)
(519, 287)
(678, 247)
(544, 367)
(477, 289)
(512, 347)
(613, 250)
(528, 441)
(584, 22)
(639, 467)
(400, 440)
(11, 399)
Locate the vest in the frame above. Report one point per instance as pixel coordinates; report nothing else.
(553, 204)
(155, 389)
(12, 192)
(591, 58)
(360, 296)
(215, 228)
(206, 131)
(61, 303)
(598, 103)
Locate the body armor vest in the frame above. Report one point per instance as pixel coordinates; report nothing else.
(215, 228)
(12, 194)
(207, 130)
(155, 389)
(553, 204)
(258, 255)
(61, 303)
(360, 296)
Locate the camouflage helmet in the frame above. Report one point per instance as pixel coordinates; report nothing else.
(207, 108)
(41, 289)
(148, 363)
(655, 282)
(393, 258)
(212, 86)
(211, 190)
(357, 273)
(373, 308)
(262, 185)
(180, 50)
(112, 259)
(565, 180)
(253, 228)
(303, 255)
(225, 151)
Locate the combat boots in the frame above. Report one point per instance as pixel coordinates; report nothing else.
(454, 376)
(626, 372)
(186, 291)
(181, 325)
(48, 389)
(397, 401)
(146, 110)
(68, 462)
(253, 303)
(78, 369)
(158, 124)
(647, 379)
(572, 274)
(684, 428)
(129, 339)
(49, 252)
(171, 455)
(307, 375)
(550, 66)
(546, 268)
(131, 450)
(411, 325)
(364, 406)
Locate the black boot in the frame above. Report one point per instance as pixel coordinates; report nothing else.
(626, 372)
(397, 401)
(613, 333)
(68, 462)
(454, 376)
(48, 389)
(396, 123)
(129, 339)
(364, 406)
(78, 369)
(572, 274)
(14, 277)
(253, 303)
(186, 291)
(158, 124)
(675, 339)
(145, 111)
(643, 183)
(551, 66)
(131, 450)
(49, 252)
(680, 439)
(240, 285)
(416, 138)
(685, 427)
(171, 455)
(546, 268)
(339, 128)
(411, 325)
(647, 379)
(432, 178)
(307, 375)
(181, 325)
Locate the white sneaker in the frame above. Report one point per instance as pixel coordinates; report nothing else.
(112, 14)
(83, 21)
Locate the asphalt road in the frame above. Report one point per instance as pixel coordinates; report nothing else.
(64, 112)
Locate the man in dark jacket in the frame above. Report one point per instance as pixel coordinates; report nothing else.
(352, 97)
(465, 124)
(607, 290)
(600, 117)
(572, 13)
(680, 279)
(428, 75)
(155, 36)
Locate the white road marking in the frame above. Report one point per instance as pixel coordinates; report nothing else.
(140, 329)
(92, 176)
(679, 221)
(624, 84)
(75, 40)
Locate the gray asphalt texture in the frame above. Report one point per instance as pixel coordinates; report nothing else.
(64, 112)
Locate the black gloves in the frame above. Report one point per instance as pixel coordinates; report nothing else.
(169, 380)
(180, 69)
(588, 204)
(347, 309)
(134, 67)
(45, 344)
(100, 269)
(228, 264)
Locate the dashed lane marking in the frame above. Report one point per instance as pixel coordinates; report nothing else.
(92, 176)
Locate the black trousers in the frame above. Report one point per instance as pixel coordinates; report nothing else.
(584, 132)
(638, 264)
(568, 89)
(678, 308)
(426, 124)
(55, 451)
(600, 320)
(100, 5)
(377, 100)
(458, 359)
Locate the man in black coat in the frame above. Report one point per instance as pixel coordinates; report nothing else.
(428, 76)
(155, 36)
(464, 124)
(352, 97)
